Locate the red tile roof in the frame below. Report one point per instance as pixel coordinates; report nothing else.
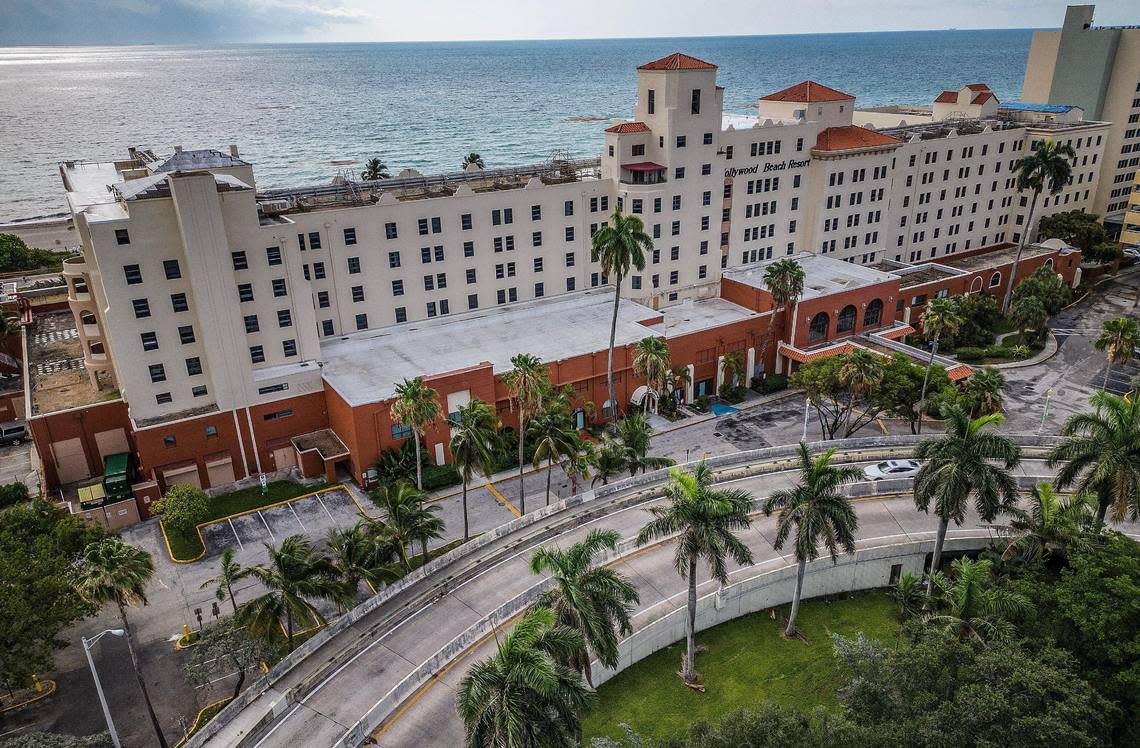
(960, 372)
(947, 97)
(978, 87)
(983, 97)
(851, 137)
(804, 357)
(896, 333)
(677, 61)
(808, 91)
(624, 127)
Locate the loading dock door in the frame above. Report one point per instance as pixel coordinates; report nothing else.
(70, 460)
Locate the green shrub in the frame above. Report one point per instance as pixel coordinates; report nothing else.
(731, 393)
(774, 383)
(12, 494)
(440, 476)
(182, 508)
(701, 404)
(999, 351)
(970, 354)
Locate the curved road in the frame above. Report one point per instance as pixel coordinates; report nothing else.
(399, 645)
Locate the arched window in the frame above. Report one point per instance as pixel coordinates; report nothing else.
(1049, 263)
(846, 320)
(819, 325)
(96, 347)
(976, 284)
(995, 280)
(874, 314)
(87, 317)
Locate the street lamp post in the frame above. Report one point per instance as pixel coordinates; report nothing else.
(1045, 412)
(87, 645)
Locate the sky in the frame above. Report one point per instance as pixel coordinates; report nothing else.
(98, 22)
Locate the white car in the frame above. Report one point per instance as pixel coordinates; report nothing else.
(891, 469)
(1132, 252)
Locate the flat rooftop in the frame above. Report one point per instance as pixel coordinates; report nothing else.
(921, 274)
(56, 373)
(823, 276)
(365, 367)
(1002, 254)
(689, 317)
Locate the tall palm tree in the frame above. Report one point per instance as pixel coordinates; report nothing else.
(408, 519)
(522, 696)
(1118, 339)
(1101, 454)
(634, 433)
(608, 459)
(595, 601)
(970, 605)
(705, 521)
(733, 367)
(111, 571)
(966, 462)
(941, 317)
(578, 463)
(619, 246)
(374, 170)
(229, 573)
(860, 372)
(984, 391)
(472, 158)
(1052, 523)
(784, 280)
(295, 574)
(1048, 167)
(651, 360)
(554, 439)
(679, 377)
(818, 510)
(416, 406)
(528, 384)
(359, 555)
(474, 437)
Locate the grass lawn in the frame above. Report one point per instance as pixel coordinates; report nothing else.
(187, 547)
(747, 662)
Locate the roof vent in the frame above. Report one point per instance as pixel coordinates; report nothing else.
(233, 150)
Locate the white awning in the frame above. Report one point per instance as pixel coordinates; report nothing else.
(638, 395)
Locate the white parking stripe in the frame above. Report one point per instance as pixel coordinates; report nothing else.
(298, 518)
(325, 507)
(240, 546)
(259, 514)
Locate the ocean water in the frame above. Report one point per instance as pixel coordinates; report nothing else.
(295, 109)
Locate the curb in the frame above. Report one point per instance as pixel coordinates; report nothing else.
(50, 687)
(197, 723)
(1040, 358)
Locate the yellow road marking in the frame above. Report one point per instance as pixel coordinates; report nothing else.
(883, 426)
(502, 499)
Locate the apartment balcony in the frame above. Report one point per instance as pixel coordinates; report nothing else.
(74, 266)
(643, 174)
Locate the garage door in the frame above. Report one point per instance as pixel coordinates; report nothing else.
(220, 470)
(111, 442)
(70, 460)
(284, 457)
(186, 474)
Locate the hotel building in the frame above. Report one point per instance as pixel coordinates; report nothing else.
(218, 331)
(1097, 69)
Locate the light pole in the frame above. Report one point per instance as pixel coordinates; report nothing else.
(807, 404)
(1045, 413)
(87, 645)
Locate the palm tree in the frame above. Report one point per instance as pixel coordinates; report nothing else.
(374, 170)
(784, 280)
(679, 377)
(634, 433)
(527, 383)
(818, 510)
(578, 463)
(619, 246)
(554, 438)
(111, 571)
(651, 360)
(1046, 168)
(732, 367)
(1101, 454)
(522, 696)
(608, 459)
(705, 521)
(1118, 339)
(1051, 523)
(360, 556)
(959, 465)
(595, 601)
(296, 573)
(474, 436)
(972, 607)
(860, 372)
(416, 405)
(984, 391)
(472, 158)
(229, 573)
(941, 317)
(908, 595)
(405, 519)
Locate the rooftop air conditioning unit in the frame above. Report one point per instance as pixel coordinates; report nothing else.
(275, 206)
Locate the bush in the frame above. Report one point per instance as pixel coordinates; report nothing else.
(970, 354)
(439, 476)
(12, 494)
(999, 351)
(731, 393)
(15, 255)
(701, 404)
(774, 383)
(182, 508)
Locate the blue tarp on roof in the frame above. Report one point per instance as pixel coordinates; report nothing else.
(1022, 106)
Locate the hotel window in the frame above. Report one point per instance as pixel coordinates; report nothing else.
(637, 205)
(238, 258)
(284, 318)
(536, 212)
(638, 149)
(605, 202)
(656, 231)
(157, 373)
(423, 226)
(170, 267)
(289, 348)
(390, 231)
(353, 265)
(704, 247)
(679, 172)
(314, 240)
(703, 271)
(569, 233)
(429, 282)
(677, 202)
(133, 274)
(163, 398)
(536, 239)
(539, 290)
(656, 256)
(468, 249)
(401, 314)
(501, 296)
(193, 366)
(681, 141)
(706, 198)
(400, 431)
(393, 259)
(122, 236)
(538, 264)
(319, 270)
(149, 341)
(279, 287)
(251, 324)
(301, 241)
(441, 279)
(611, 151)
(593, 205)
(708, 138)
(656, 205)
(200, 391)
(465, 221)
(186, 334)
(323, 299)
(673, 277)
(569, 259)
(570, 284)
(674, 253)
(436, 225)
(178, 302)
(349, 237)
(169, 440)
(635, 282)
(498, 243)
(361, 322)
(650, 104)
(473, 301)
(470, 275)
(273, 255)
(676, 228)
(568, 208)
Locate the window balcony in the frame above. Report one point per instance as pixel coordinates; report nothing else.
(643, 173)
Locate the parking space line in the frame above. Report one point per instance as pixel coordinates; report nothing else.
(236, 537)
(298, 518)
(324, 507)
(502, 500)
(271, 537)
